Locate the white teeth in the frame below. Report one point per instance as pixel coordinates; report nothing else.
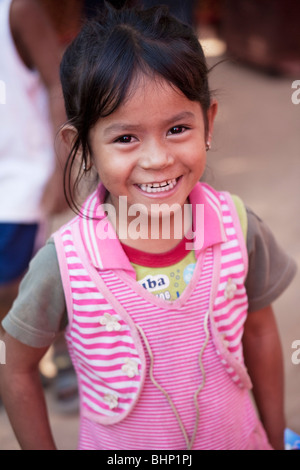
(158, 187)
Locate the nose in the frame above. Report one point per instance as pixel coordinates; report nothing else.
(156, 156)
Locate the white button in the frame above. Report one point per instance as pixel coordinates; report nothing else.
(225, 341)
(110, 322)
(111, 400)
(230, 289)
(130, 368)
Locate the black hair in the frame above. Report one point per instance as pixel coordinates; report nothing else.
(98, 68)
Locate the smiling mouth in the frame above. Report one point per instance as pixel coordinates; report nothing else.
(159, 187)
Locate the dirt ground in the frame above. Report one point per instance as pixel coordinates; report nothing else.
(255, 153)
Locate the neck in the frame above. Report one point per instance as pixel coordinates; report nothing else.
(151, 245)
(156, 233)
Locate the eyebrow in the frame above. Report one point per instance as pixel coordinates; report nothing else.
(120, 127)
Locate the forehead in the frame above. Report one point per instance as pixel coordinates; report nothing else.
(153, 99)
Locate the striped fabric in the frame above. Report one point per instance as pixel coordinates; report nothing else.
(102, 344)
(155, 374)
(231, 303)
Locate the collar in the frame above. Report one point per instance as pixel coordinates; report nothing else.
(104, 249)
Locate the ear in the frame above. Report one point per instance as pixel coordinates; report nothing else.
(68, 135)
(211, 115)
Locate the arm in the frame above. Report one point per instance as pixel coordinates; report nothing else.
(23, 396)
(263, 358)
(39, 49)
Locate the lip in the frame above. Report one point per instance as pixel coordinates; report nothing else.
(161, 194)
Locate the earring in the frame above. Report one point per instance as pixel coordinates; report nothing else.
(208, 143)
(84, 167)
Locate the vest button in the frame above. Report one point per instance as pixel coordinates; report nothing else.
(230, 289)
(130, 368)
(110, 322)
(111, 400)
(225, 341)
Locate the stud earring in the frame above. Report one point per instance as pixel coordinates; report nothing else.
(208, 145)
(84, 167)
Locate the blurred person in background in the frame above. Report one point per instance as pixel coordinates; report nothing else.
(31, 177)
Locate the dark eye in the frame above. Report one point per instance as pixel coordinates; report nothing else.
(177, 130)
(124, 139)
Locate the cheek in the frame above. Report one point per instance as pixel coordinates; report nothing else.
(197, 163)
(196, 155)
(112, 171)
(105, 164)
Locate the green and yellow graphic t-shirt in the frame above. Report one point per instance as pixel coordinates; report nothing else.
(165, 275)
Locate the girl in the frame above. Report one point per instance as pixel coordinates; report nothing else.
(158, 271)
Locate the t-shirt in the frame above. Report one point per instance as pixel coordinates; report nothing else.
(164, 276)
(39, 312)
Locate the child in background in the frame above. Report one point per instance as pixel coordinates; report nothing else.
(30, 118)
(167, 332)
(31, 178)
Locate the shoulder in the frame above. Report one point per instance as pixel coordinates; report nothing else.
(253, 227)
(261, 242)
(258, 233)
(47, 256)
(44, 269)
(39, 311)
(271, 268)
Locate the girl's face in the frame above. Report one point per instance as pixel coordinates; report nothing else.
(152, 149)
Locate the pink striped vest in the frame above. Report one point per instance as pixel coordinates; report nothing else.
(155, 374)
